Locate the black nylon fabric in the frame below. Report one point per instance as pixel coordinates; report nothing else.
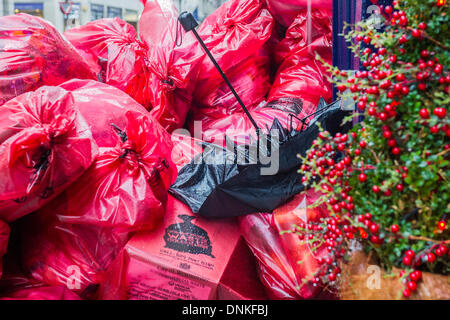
(228, 190)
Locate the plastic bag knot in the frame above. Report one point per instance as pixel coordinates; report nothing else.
(168, 84)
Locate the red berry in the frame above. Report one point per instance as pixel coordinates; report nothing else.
(403, 21)
(439, 252)
(440, 112)
(374, 239)
(410, 254)
(362, 144)
(422, 25)
(402, 39)
(431, 257)
(442, 225)
(342, 88)
(399, 187)
(415, 275)
(434, 129)
(424, 114)
(376, 189)
(387, 134)
(368, 216)
(332, 277)
(416, 33)
(443, 248)
(406, 261)
(392, 143)
(362, 177)
(388, 9)
(412, 286)
(405, 91)
(395, 228)
(396, 151)
(374, 228)
(400, 77)
(383, 116)
(406, 293)
(425, 53)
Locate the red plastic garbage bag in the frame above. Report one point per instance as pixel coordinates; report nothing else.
(45, 145)
(297, 36)
(4, 237)
(185, 148)
(188, 258)
(34, 54)
(21, 288)
(240, 129)
(235, 34)
(112, 49)
(301, 74)
(125, 190)
(42, 293)
(102, 105)
(73, 255)
(285, 11)
(174, 68)
(279, 255)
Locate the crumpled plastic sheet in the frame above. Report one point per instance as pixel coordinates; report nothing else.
(173, 61)
(285, 11)
(301, 74)
(114, 53)
(4, 238)
(235, 34)
(278, 255)
(19, 287)
(72, 242)
(33, 54)
(45, 145)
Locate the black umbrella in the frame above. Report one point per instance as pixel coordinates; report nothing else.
(215, 184)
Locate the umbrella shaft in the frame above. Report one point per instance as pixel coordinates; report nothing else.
(226, 80)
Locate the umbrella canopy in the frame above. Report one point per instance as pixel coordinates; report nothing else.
(216, 184)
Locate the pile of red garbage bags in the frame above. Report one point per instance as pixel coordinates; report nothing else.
(88, 151)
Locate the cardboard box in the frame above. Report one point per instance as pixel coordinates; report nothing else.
(187, 258)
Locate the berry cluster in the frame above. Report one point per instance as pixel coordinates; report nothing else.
(385, 183)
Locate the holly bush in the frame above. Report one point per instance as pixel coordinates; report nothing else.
(386, 183)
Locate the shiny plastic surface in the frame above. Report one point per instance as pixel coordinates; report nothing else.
(114, 53)
(301, 74)
(4, 238)
(235, 34)
(41, 293)
(285, 11)
(279, 255)
(72, 242)
(173, 60)
(45, 145)
(34, 54)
